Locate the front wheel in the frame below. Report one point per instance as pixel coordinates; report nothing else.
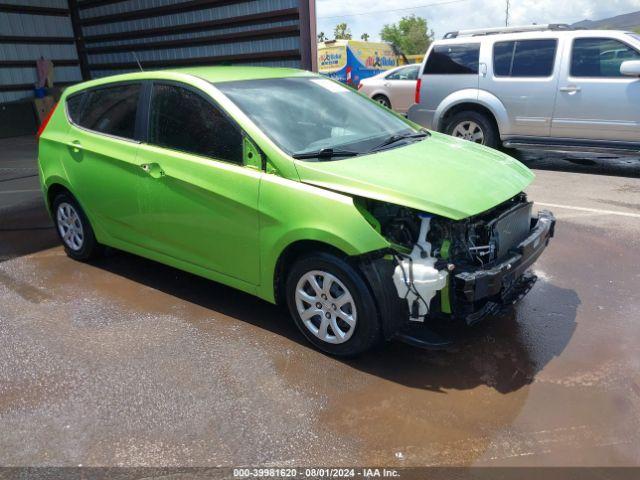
(474, 127)
(332, 305)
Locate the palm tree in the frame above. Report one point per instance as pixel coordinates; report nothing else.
(322, 37)
(365, 37)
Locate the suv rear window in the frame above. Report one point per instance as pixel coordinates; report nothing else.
(110, 110)
(453, 59)
(524, 58)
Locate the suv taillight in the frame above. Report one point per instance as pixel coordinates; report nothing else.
(418, 85)
(43, 125)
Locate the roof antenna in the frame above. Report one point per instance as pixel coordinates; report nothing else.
(137, 61)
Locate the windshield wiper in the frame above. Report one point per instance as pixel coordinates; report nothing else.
(325, 154)
(398, 137)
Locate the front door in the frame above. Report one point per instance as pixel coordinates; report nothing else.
(200, 202)
(101, 155)
(595, 101)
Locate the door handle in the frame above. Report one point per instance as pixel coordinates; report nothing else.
(387, 84)
(570, 89)
(75, 146)
(154, 170)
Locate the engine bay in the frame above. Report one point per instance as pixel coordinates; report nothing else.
(427, 249)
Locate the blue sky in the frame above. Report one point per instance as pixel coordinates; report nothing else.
(448, 15)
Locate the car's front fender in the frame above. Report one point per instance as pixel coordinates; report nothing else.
(292, 211)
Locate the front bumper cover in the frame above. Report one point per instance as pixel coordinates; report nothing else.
(475, 294)
(506, 282)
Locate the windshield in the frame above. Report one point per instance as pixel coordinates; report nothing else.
(310, 114)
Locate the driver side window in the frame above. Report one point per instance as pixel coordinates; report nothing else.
(600, 57)
(183, 120)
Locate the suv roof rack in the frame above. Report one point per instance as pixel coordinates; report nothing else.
(497, 30)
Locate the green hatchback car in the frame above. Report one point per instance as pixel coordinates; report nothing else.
(297, 189)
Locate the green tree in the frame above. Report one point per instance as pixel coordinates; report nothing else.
(365, 37)
(322, 37)
(411, 35)
(342, 32)
(637, 30)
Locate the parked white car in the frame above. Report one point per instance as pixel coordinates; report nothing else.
(394, 88)
(534, 86)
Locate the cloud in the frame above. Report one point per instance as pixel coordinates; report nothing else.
(449, 15)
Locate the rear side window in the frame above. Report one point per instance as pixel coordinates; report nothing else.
(407, 73)
(524, 58)
(110, 110)
(184, 120)
(453, 59)
(599, 57)
(74, 104)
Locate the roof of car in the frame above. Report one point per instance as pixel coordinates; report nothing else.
(210, 74)
(542, 33)
(230, 73)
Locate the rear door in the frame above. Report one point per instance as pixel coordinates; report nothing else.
(200, 202)
(595, 101)
(401, 86)
(523, 74)
(100, 156)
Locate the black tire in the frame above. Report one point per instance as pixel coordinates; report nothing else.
(366, 331)
(491, 136)
(89, 247)
(383, 100)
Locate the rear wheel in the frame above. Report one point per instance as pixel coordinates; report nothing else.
(332, 305)
(74, 229)
(382, 100)
(474, 127)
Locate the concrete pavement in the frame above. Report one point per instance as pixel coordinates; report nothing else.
(127, 362)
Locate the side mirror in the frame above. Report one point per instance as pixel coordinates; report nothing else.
(630, 68)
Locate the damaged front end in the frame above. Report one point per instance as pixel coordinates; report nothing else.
(451, 271)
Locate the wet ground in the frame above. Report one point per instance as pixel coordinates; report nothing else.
(128, 362)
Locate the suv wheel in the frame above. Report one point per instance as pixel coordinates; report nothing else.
(74, 228)
(332, 306)
(474, 127)
(382, 100)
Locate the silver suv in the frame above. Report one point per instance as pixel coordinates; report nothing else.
(535, 86)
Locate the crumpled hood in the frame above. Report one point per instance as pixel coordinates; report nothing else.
(441, 175)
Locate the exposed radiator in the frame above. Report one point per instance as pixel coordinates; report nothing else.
(512, 228)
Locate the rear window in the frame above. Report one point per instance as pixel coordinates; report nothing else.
(110, 110)
(453, 59)
(524, 58)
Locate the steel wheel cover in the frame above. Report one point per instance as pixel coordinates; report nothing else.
(326, 307)
(70, 226)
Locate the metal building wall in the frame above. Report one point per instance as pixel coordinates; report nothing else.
(30, 29)
(169, 33)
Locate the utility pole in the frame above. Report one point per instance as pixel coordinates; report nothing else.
(506, 16)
